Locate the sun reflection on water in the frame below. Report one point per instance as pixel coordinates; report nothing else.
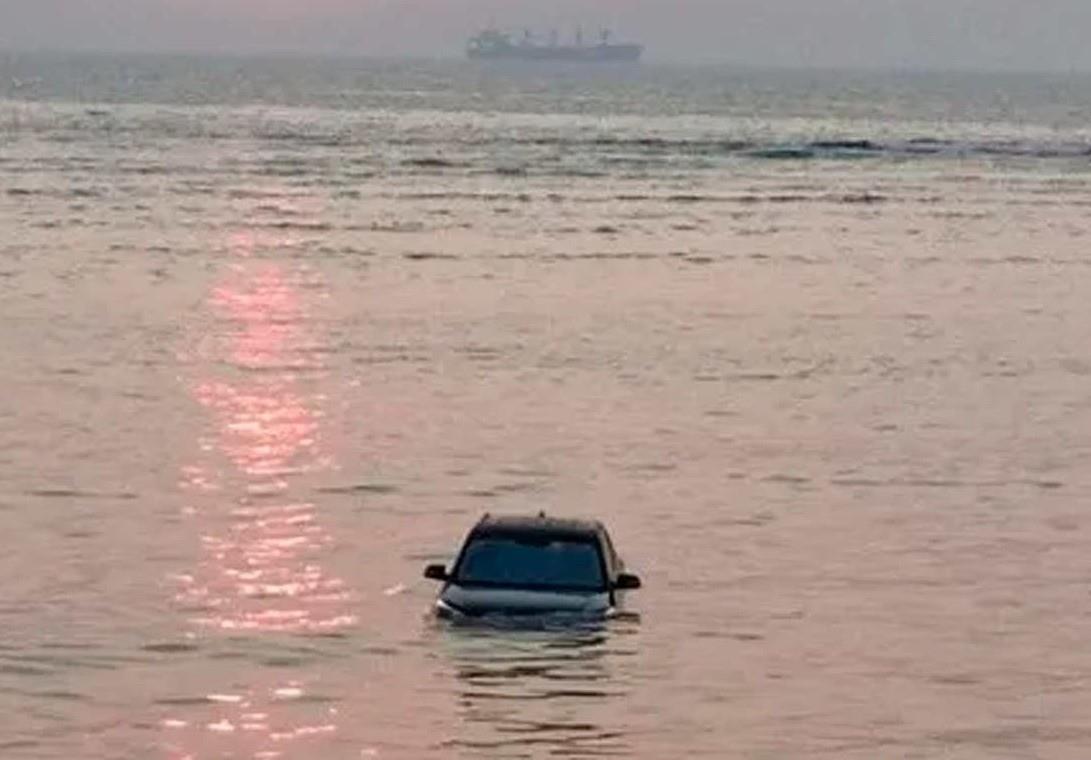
(261, 574)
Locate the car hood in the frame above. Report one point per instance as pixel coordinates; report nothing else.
(476, 600)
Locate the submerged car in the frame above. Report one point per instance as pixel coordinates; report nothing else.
(517, 565)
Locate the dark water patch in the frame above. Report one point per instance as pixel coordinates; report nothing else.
(283, 172)
(665, 144)
(170, 647)
(147, 170)
(67, 646)
(302, 226)
(852, 145)
(699, 259)
(655, 467)
(775, 198)
(756, 520)
(69, 493)
(504, 489)
(80, 662)
(481, 493)
(928, 144)
(20, 744)
(606, 229)
(517, 487)
(786, 479)
(938, 483)
(1076, 367)
(921, 261)
(393, 227)
(644, 148)
(745, 637)
(288, 369)
(188, 189)
(272, 208)
(799, 258)
(1017, 259)
(547, 695)
(57, 695)
(577, 173)
(378, 489)
(433, 163)
(61, 138)
(197, 701)
(23, 192)
(692, 198)
(285, 661)
(480, 353)
(346, 250)
(603, 256)
(956, 679)
(782, 153)
(429, 256)
(959, 215)
(258, 193)
(392, 358)
(510, 171)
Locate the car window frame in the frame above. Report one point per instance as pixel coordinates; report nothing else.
(593, 541)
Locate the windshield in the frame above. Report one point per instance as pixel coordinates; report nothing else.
(544, 564)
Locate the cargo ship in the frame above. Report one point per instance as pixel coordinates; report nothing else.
(493, 44)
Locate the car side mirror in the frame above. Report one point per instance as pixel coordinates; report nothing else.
(626, 581)
(436, 572)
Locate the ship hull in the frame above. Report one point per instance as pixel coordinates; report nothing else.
(590, 54)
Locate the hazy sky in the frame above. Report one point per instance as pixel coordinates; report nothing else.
(976, 34)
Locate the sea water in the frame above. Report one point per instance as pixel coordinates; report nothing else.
(816, 347)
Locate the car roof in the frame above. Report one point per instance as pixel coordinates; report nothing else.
(539, 525)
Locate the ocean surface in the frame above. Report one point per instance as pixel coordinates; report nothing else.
(815, 346)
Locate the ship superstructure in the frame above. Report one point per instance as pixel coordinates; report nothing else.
(494, 44)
